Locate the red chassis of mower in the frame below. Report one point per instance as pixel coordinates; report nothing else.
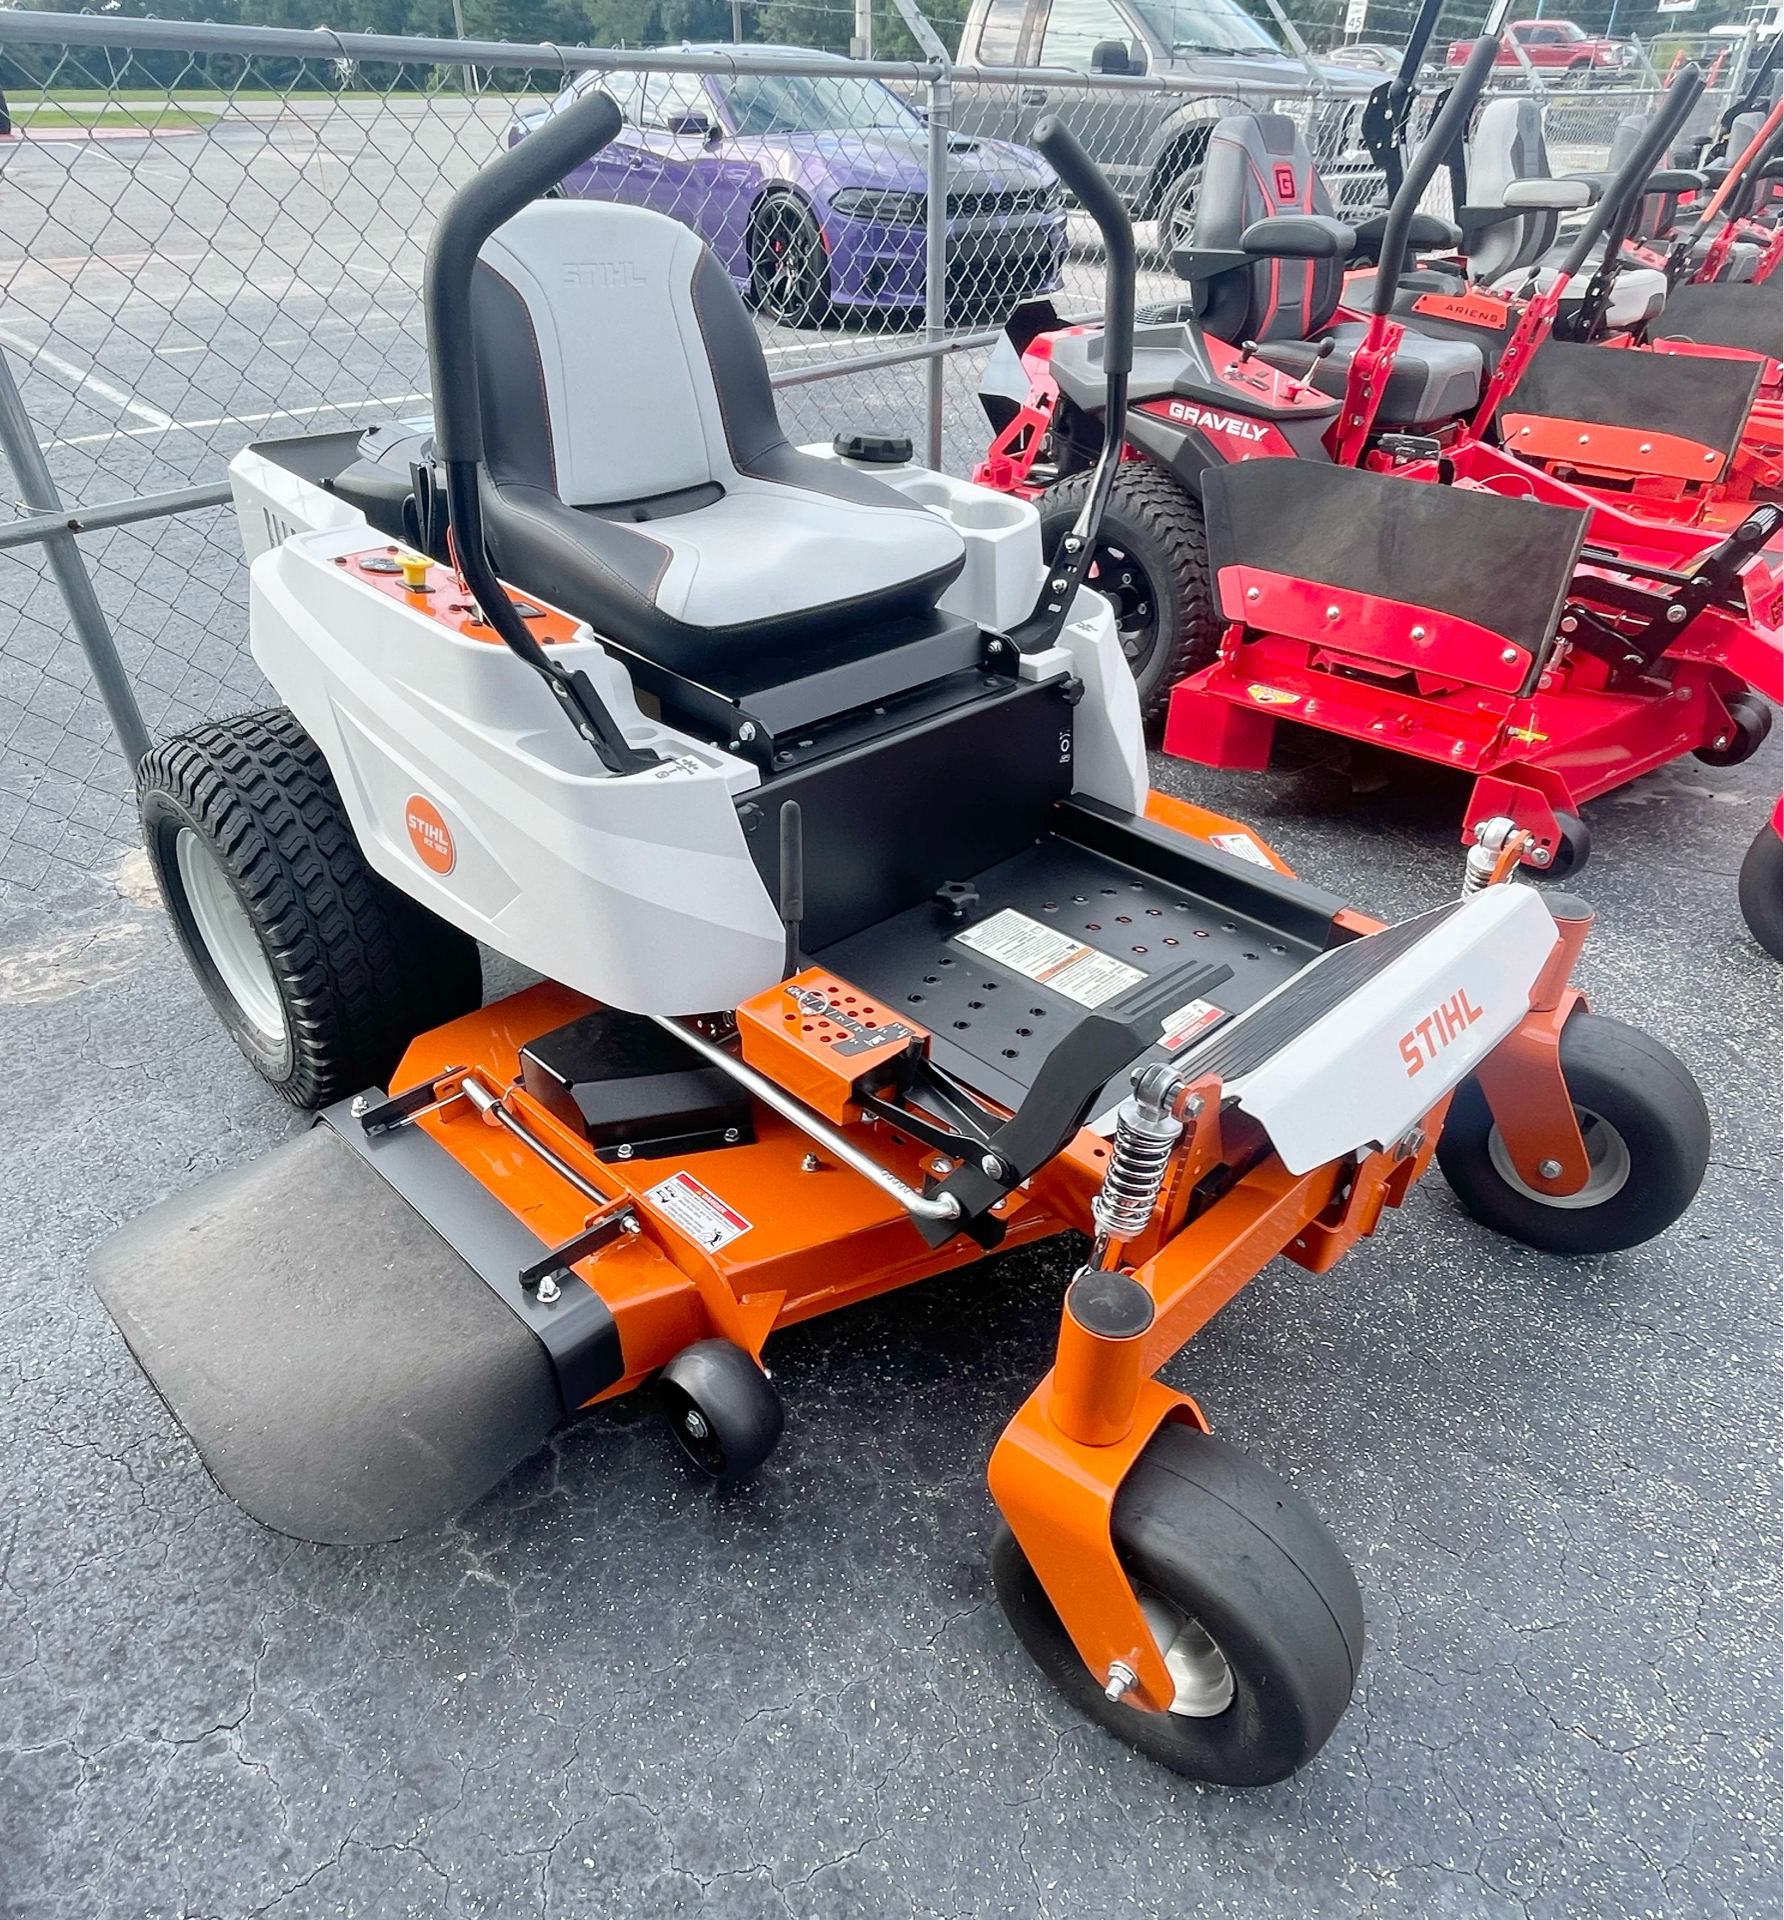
(1540, 739)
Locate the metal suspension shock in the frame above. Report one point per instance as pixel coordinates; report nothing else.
(1498, 844)
(1147, 1129)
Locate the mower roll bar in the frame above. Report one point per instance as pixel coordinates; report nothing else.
(491, 196)
(1615, 213)
(1388, 110)
(1440, 137)
(1067, 567)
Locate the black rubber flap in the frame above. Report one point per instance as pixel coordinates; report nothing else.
(1724, 313)
(1693, 396)
(344, 1375)
(1504, 565)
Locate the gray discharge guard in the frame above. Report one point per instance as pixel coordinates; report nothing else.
(346, 1376)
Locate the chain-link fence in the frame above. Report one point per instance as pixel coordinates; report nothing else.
(214, 235)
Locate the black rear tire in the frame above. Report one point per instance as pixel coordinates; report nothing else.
(1762, 890)
(1647, 1134)
(334, 971)
(1222, 1542)
(1151, 563)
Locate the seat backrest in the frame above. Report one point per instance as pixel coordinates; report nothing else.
(1507, 145)
(615, 360)
(1257, 165)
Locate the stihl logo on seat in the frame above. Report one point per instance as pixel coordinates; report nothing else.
(1438, 1028)
(1215, 422)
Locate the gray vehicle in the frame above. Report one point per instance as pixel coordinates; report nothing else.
(1151, 144)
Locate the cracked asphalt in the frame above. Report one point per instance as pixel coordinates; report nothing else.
(606, 1691)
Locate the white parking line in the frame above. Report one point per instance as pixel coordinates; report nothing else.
(41, 356)
(240, 419)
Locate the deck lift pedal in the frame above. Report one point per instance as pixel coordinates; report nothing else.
(818, 803)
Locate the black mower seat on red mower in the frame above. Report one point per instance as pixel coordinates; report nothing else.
(1259, 170)
(1698, 401)
(635, 472)
(1392, 570)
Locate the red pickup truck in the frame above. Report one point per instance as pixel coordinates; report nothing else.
(1554, 44)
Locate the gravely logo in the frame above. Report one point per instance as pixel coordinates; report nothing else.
(429, 834)
(1438, 1028)
(1194, 416)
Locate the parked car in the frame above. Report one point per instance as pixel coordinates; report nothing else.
(1554, 45)
(1151, 144)
(810, 190)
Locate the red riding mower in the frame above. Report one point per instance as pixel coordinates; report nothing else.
(1656, 634)
(819, 802)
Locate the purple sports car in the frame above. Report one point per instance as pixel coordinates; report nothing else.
(809, 189)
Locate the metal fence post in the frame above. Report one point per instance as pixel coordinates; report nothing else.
(19, 439)
(935, 293)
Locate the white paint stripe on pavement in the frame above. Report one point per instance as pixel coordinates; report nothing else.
(42, 357)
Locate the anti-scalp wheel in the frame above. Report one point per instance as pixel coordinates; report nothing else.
(722, 1408)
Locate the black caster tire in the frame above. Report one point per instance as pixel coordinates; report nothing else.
(1752, 718)
(1572, 848)
(1263, 1609)
(722, 1408)
(321, 971)
(1647, 1135)
(1762, 890)
(789, 270)
(1151, 564)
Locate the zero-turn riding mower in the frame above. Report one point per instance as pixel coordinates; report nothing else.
(819, 803)
(1516, 626)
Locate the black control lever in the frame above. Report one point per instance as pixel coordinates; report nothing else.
(494, 195)
(1068, 565)
(1713, 579)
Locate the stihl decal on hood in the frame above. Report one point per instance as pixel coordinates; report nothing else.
(1438, 1028)
(1194, 416)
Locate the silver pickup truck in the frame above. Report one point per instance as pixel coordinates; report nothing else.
(1150, 143)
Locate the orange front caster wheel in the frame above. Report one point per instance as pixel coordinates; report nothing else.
(1249, 1597)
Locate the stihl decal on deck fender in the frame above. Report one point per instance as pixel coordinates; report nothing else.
(1438, 1028)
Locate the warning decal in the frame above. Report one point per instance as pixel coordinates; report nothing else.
(1053, 959)
(1243, 845)
(1188, 1022)
(699, 1213)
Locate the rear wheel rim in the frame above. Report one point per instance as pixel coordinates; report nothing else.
(1123, 582)
(1607, 1157)
(1180, 215)
(230, 942)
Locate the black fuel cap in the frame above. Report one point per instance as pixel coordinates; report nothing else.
(872, 448)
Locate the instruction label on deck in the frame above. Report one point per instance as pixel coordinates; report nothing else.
(1188, 1022)
(697, 1211)
(1243, 845)
(1051, 958)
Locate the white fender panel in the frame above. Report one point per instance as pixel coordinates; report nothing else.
(1363, 1073)
(637, 890)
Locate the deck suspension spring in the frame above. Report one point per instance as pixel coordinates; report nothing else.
(1147, 1129)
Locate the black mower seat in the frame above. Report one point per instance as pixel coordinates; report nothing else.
(1747, 318)
(635, 472)
(1433, 377)
(1698, 399)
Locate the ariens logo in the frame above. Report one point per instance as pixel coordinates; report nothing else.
(1215, 422)
(1438, 1028)
(429, 834)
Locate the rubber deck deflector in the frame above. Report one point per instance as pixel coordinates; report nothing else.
(344, 1374)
